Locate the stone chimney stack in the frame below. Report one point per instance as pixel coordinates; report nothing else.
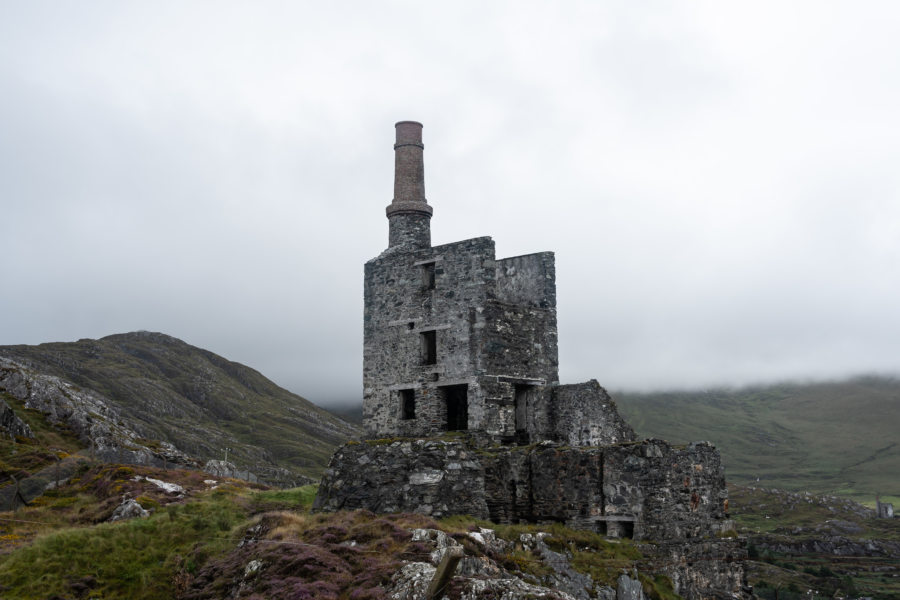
(409, 215)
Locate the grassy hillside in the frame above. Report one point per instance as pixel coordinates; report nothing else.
(200, 402)
(839, 437)
(800, 541)
(228, 538)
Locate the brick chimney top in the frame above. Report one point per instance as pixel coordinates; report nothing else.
(409, 171)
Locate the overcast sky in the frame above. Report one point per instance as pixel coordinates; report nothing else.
(719, 180)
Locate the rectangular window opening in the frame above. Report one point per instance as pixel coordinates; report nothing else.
(407, 404)
(456, 398)
(522, 407)
(428, 276)
(429, 347)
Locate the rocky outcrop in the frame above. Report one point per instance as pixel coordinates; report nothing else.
(92, 417)
(711, 568)
(192, 401)
(129, 509)
(835, 545)
(11, 425)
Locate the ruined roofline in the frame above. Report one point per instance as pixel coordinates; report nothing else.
(429, 249)
(550, 252)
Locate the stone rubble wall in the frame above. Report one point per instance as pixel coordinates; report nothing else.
(398, 307)
(701, 569)
(658, 491)
(584, 414)
(519, 342)
(528, 280)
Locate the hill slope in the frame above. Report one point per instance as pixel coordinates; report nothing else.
(839, 437)
(164, 389)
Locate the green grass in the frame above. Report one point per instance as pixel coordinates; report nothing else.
(134, 559)
(61, 545)
(769, 516)
(300, 498)
(24, 456)
(839, 437)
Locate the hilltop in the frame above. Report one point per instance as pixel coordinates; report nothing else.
(155, 398)
(834, 437)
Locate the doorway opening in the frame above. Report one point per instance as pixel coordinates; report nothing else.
(457, 400)
(524, 400)
(407, 404)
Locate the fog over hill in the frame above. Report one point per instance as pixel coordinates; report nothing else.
(830, 437)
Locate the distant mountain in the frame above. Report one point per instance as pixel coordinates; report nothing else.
(838, 437)
(351, 413)
(144, 397)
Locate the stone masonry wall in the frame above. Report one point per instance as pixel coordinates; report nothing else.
(528, 280)
(519, 342)
(584, 414)
(399, 307)
(661, 492)
(451, 292)
(680, 493)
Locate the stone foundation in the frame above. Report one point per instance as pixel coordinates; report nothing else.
(643, 490)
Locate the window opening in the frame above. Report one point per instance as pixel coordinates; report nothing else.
(457, 400)
(523, 401)
(428, 276)
(429, 347)
(407, 404)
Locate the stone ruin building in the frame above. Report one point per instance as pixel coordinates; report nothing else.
(457, 340)
(883, 510)
(466, 415)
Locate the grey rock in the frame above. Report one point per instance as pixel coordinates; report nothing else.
(129, 509)
(629, 589)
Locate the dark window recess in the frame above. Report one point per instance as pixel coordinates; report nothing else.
(523, 400)
(457, 400)
(428, 276)
(429, 347)
(407, 404)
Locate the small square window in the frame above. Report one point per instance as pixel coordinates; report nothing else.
(407, 404)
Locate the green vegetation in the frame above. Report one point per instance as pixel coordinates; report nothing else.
(191, 544)
(195, 399)
(808, 526)
(24, 456)
(839, 437)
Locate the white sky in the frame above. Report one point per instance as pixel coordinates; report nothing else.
(719, 180)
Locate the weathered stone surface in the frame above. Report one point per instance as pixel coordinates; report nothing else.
(646, 490)
(629, 589)
(129, 509)
(708, 568)
(10, 424)
(584, 414)
(93, 418)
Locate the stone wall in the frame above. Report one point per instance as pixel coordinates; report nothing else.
(646, 490)
(399, 308)
(528, 280)
(487, 334)
(584, 414)
(519, 342)
(701, 568)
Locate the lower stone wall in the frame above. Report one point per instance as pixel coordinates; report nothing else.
(425, 476)
(644, 490)
(702, 569)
